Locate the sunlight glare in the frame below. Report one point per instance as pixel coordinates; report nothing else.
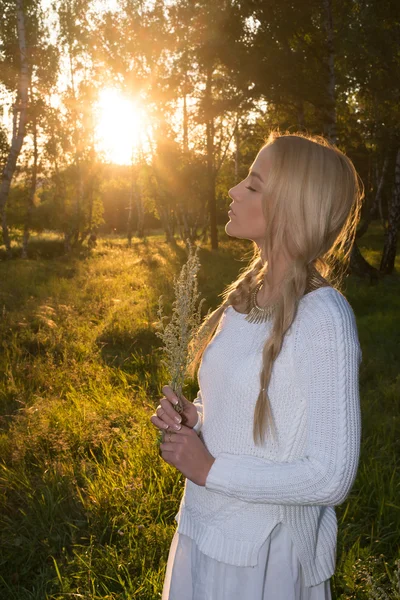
(121, 127)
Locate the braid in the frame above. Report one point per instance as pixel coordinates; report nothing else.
(244, 285)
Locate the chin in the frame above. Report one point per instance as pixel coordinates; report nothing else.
(227, 228)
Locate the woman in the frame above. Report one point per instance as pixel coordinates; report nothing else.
(257, 517)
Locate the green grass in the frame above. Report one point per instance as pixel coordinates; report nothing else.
(87, 505)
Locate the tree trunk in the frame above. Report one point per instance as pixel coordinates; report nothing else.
(185, 120)
(61, 193)
(390, 245)
(129, 230)
(91, 194)
(32, 191)
(129, 226)
(237, 150)
(67, 242)
(139, 212)
(212, 208)
(380, 196)
(76, 227)
(359, 266)
(21, 107)
(204, 231)
(179, 222)
(212, 205)
(166, 223)
(72, 237)
(300, 115)
(377, 203)
(330, 109)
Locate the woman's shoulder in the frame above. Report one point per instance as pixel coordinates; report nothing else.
(327, 297)
(324, 312)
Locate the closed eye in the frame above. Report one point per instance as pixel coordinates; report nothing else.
(250, 188)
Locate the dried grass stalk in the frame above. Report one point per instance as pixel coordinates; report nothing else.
(181, 335)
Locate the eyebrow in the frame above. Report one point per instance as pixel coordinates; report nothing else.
(255, 174)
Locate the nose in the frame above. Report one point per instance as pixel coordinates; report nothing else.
(230, 193)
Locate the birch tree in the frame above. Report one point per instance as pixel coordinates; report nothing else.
(33, 183)
(29, 66)
(20, 108)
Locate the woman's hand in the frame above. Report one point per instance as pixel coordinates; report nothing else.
(165, 413)
(185, 450)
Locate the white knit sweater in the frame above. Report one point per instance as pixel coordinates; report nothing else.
(314, 395)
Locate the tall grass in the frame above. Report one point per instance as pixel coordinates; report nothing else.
(87, 504)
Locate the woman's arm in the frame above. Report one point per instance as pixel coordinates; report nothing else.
(327, 356)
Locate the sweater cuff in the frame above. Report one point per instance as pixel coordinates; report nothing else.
(220, 474)
(199, 422)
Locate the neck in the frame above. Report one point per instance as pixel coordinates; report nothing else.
(265, 296)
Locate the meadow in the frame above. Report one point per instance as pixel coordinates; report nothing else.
(87, 504)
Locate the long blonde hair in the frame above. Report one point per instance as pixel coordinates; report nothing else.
(311, 201)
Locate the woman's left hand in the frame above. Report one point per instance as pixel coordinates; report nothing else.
(187, 453)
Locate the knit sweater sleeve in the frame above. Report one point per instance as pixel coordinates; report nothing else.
(198, 402)
(326, 358)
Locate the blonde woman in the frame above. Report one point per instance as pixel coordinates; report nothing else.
(271, 443)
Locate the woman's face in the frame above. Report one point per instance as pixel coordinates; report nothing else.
(246, 219)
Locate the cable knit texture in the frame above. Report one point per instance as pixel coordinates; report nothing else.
(311, 467)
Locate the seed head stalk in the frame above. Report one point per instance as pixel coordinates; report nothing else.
(181, 334)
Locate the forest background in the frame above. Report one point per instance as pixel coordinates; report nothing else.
(123, 124)
(118, 117)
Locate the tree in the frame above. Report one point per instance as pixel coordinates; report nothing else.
(29, 65)
(372, 76)
(20, 109)
(77, 43)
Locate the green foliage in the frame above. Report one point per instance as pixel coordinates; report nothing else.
(56, 202)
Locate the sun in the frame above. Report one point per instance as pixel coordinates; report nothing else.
(122, 127)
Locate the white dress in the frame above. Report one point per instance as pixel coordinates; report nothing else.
(191, 575)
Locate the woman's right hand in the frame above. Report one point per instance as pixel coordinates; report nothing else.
(165, 413)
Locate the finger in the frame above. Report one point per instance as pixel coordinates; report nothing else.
(157, 422)
(178, 437)
(166, 456)
(164, 408)
(170, 394)
(184, 431)
(168, 447)
(169, 415)
(163, 424)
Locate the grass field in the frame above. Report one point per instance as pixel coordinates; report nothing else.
(87, 504)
